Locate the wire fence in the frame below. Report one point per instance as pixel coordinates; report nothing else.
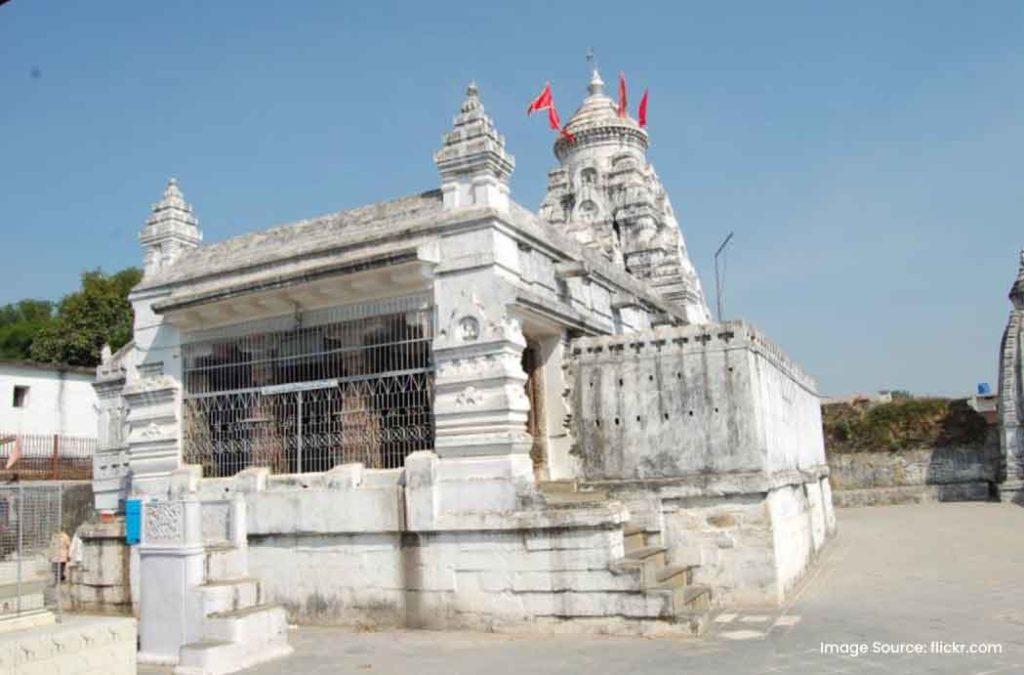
(45, 456)
(30, 538)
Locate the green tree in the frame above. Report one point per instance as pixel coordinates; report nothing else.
(97, 313)
(19, 324)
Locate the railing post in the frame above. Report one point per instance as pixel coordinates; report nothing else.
(54, 464)
(21, 516)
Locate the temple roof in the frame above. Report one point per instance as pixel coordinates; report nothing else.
(295, 239)
(598, 118)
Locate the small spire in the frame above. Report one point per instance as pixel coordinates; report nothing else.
(473, 162)
(172, 198)
(472, 101)
(596, 85)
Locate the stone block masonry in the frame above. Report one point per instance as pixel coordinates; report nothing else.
(495, 562)
(674, 402)
(711, 435)
(914, 476)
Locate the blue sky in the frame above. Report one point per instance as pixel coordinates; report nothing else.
(867, 155)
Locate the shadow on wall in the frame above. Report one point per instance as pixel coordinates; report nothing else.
(963, 474)
(76, 504)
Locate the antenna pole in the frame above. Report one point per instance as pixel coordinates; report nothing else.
(718, 277)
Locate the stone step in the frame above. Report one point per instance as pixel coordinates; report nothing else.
(674, 575)
(578, 497)
(649, 560)
(694, 597)
(225, 562)
(229, 595)
(650, 555)
(634, 537)
(690, 605)
(215, 657)
(550, 486)
(253, 625)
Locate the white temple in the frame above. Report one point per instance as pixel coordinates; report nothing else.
(447, 410)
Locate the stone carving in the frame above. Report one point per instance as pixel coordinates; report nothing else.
(469, 329)
(152, 431)
(152, 383)
(471, 322)
(164, 523)
(469, 397)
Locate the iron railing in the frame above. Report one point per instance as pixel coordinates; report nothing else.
(45, 456)
(356, 386)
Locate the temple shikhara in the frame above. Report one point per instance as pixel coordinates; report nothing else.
(449, 410)
(1010, 476)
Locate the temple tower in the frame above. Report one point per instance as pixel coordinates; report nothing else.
(607, 195)
(1011, 396)
(169, 230)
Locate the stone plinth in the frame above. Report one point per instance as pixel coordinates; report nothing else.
(100, 583)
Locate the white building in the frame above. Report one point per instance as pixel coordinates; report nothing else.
(448, 410)
(46, 399)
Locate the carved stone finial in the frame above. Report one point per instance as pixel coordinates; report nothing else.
(474, 165)
(170, 229)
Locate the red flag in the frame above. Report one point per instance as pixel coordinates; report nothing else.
(553, 120)
(15, 451)
(622, 94)
(545, 100)
(641, 114)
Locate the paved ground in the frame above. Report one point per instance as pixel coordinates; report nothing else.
(895, 575)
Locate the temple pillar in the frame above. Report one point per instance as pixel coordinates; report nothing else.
(171, 561)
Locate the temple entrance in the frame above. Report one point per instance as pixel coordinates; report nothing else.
(536, 419)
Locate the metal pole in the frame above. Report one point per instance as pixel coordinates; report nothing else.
(60, 529)
(21, 515)
(298, 431)
(718, 280)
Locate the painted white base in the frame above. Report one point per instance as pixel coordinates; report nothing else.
(80, 644)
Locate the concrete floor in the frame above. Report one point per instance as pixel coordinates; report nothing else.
(900, 574)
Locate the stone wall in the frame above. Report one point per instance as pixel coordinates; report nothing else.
(913, 476)
(523, 579)
(440, 544)
(681, 401)
(712, 436)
